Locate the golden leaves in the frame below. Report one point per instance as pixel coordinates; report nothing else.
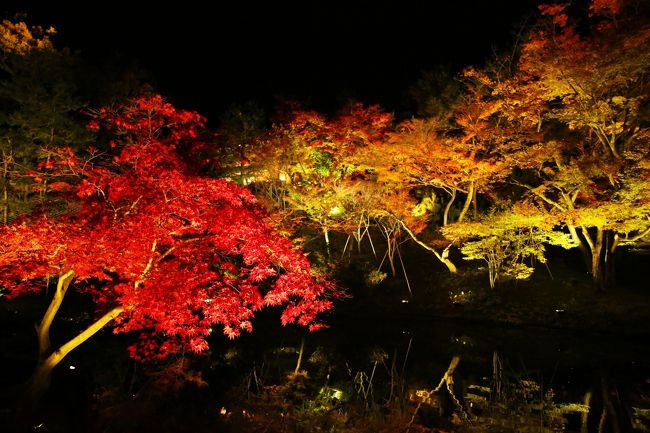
(18, 38)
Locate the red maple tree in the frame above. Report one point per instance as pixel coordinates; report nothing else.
(162, 251)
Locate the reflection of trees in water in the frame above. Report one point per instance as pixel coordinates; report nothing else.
(535, 381)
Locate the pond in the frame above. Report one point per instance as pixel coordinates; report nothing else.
(405, 375)
(523, 379)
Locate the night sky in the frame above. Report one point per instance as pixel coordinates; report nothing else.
(319, 52)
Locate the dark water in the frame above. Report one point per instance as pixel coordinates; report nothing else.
(528, 371)
(524, 368)
(535, 373)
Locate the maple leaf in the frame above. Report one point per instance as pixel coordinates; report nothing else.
(168, 253)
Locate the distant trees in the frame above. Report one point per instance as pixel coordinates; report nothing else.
(40, 112)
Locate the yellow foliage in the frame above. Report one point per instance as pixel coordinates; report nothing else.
(18, 38)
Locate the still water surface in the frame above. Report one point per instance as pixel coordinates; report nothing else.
(572, 381)
(509, 378)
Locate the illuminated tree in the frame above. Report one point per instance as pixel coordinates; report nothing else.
(401, 164)
(510, 241)
(441, 162)
(579, 143)
(161, 251)
(308, 166)
(596, 83)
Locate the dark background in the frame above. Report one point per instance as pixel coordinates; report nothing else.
(206, 55)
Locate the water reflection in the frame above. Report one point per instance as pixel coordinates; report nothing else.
(468, 377)
(361, 376)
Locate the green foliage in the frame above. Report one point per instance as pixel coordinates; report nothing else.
(510, 241)
(322, 162)
(425, 206)
(374, 277)
(41, 108)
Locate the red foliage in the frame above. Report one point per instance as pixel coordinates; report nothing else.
(179, 252)
(557, 11)
(604, 7)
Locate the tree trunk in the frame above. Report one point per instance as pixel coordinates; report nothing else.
(474, 205)
(302, 350)
(596, 247)
(468, 202)
(40, 380)
(43, 328)
(596, 269)
(47, 359)
(326, 235)
(492, 273)
(443, 257)
(445, 216)
(611, 242)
